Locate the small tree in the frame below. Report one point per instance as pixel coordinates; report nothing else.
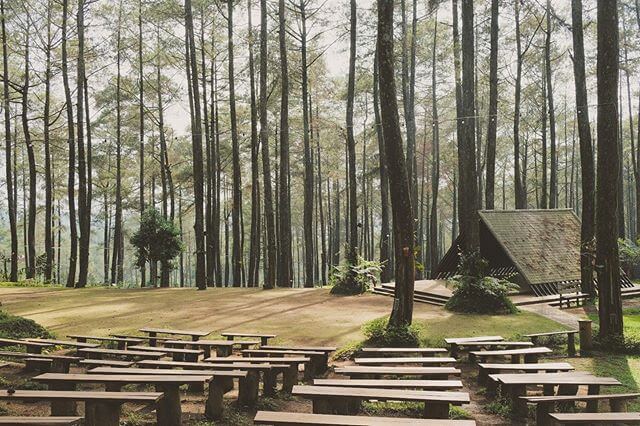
(157, 240)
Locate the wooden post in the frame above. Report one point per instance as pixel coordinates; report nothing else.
(586, 336)
(592, 406)
(248, 389)
(103, 414)
(222, 351)
(542, 413)
(63, 407)
(436, 410)
(571, 344)
(169, 411)
(290, 378)
(213, 406)
(269, 381)
(152, 341)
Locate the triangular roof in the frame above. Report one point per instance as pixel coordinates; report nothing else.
(544, 245)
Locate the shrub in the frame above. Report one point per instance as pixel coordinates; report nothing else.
(476, 292)
(157, 240)
(379, 333)
(15, 327)
(347, 279)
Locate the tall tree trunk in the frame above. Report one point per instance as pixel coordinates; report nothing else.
(544, 201)
(403, 225)
(270, 242)
(467, 213)
(435, 156)
(607, 262)
(31, 157)
(48, 185)
(352, 249)
(284, 257)
(553, 178)
(73, 232)
(236, 256)
(492, 124)
(308, 162)
(254, 240)
(198, 174)
(10, 182)
(587, 168)
(457, 66)
(521, 195)
(84, 215)
(387, 269)
(118, 240)
(143, 268)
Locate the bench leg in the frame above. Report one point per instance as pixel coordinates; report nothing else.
(290, 378)
(618, 405)
(592, 406)
(223, 351)
(248, 389)
(169, 411)
(343, 406)
(213, 406)
(152, 341)
(519, 405)
(542, 413)
(227, 383)
(483, 376)
(60, 366)
(567, 390)
(531, 358)
(436, 410)
(453, 350)
(548, 390)
(122, 345)
(41, 365)
(63, 408)
(491, 386)
(322, 406)
(515, 359)
(571, 344)
(269, 380)
(102, 414)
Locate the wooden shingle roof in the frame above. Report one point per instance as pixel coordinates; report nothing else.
(544, 245)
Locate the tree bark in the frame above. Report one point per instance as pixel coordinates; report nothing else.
(587, 168)
(196, 138)
(435, 156)
(141, 183)
(607, 262)
(48, 185)
(553, 178)
(403, 226)
(84, 214)
(285, 271)
(492, 125)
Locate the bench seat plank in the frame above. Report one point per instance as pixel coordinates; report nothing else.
(325, 349)
(105, 362)
(551, 333)
(388, 351)
(42, 421)
(154, 371)
(554, 379)
(406, 360)
(542, 366)
(525, 351)
(122, 378)
(392, 384)
(458, 340)
(254, 359)
(71, 343)
(397, 371)
(496, 344)
(261, 335)
(560, 398)
(598, 418)
(281, 352)
(121, 397)
(296, 419)
(106, 338)
(121, 352)
(381, 394)
(193, 333)
(164, 365)
(10, 354)
(167, 350)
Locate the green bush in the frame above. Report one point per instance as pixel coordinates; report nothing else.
(476, 292)
(15, 327)
(348, 280)
(379, 333)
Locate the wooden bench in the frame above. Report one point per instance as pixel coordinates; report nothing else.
(424, 361)
(433, 373)
(248, 380)
(65, 343)
(153, 332)
(596, 418)
(101, 408)
(401, 351)
(290, 376)
(571, 339)
(33, 347)
(530, 355)
(264, 338)
(454, 342)
(90, 363)
(169, 412)
(546, 404)
(319, 361)
(222, 347)
(347, 400)
(177, 354)
(306, 419)
(98, 353)
(122, 342)
(392, 384)
(486, 369)
(41, 421)
(269, 371)
(143, 338)
(515, 385)
(40, 362)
